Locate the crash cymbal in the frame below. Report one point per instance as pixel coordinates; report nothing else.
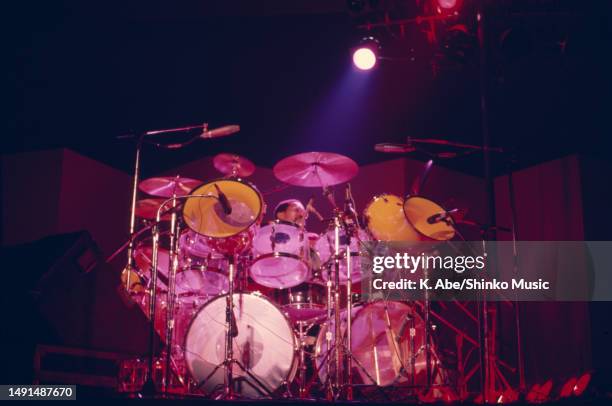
(167, 186)
(147, 209)
(315, 169)
(233, 165)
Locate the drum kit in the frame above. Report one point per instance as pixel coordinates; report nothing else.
(252, 310)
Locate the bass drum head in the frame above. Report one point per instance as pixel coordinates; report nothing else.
(265, 346)
(418, 209)
(205, 216)
(382, 345)
(384, 217)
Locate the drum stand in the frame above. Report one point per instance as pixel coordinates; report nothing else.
(231, 331)
(337, 353)
(174, 263)
(149, 386)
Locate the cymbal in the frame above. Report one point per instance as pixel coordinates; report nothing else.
(166, 186)
(233, 165)
(147, 209)
(316, 169)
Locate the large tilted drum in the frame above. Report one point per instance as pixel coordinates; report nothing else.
(265, 346)
(227, 233)
(385, 336)
(391, 218)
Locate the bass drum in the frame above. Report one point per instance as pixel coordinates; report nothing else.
(227, 233)
(384, 337)
(391, 218)
(265, 346)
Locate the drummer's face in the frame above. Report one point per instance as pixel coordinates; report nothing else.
(294, 214)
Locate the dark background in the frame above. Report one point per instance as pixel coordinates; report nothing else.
(84, 73)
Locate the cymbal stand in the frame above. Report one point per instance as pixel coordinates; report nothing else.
(337, 353)
(136, 180)
(174, 263)
(140, 138)
(149, 386)
(231, 331)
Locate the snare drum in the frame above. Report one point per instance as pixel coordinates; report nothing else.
(391, 218)
(281, 255)
(227, 233)
(265, 346)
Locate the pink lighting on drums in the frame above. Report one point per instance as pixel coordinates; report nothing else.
(281, 255)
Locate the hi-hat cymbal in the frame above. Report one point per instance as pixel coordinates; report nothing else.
(315, 169)
(233, 165)
(147, 209)
(167, 186)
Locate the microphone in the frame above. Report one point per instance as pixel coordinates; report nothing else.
(225, 204)
(438, 217)
(311, 209)
(394, 148)
(220, 132)
(233, 326)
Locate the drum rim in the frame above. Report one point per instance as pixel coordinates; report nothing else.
(280, 255)
(237, 180)
(294, 361)
(286, 223)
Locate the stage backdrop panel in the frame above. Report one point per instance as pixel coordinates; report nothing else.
(548, 208)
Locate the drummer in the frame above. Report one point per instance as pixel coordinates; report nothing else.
(292, 210)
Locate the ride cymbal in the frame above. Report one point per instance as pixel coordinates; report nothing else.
(316, 169)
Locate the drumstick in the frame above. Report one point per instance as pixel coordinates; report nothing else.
(310, 209)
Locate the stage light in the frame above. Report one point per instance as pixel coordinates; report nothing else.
(567, 389)
(448, 7)
(365, 55)
(508, 396)
(539, 393)
(581, 384)
(364, 58)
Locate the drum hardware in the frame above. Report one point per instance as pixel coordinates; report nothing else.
(174, 251)
(149, 386)
(335, 385)
(171, 283)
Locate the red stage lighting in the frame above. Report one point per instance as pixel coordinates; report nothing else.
(539, 393)
(581, 384)
(365, 55)
(508, 396)
(568, 388)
